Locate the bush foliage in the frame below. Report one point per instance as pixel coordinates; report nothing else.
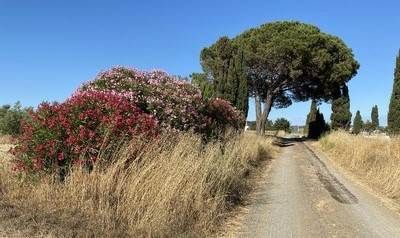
(73, 132)
(11, 117)
(119, 104)
(178, 105)
(282, 124)
(173, 102)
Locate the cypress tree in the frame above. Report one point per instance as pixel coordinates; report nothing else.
(225, 63)
(375, 117)
(242, 102)
(341, 115)
(316, 124)
(220, 83)
(234, 87)
(216, 61)
(230, 89)
(357, 123)
(394, 106)
(311, 116)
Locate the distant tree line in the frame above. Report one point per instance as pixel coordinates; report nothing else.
(370, 125)
(280, 124)
(393, 118)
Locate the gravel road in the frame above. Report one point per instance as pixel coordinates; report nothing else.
(305, 196)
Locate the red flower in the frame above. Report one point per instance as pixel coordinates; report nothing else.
(60, 156)
(86, 120)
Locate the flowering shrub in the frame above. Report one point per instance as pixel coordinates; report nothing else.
(175, 103)
(119, 104)
(75, 131)
(220, 115)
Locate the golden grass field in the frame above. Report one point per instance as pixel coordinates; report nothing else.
(177, 187)
(374, 160)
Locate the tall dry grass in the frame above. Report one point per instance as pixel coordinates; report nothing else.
(375, 160)
(177, 187)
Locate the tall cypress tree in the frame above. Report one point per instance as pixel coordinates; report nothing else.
(341, 115)
(230, 89)
(311, 116)
(242, 101)
(394, 106)
(316, 124)
(375, 117)
(236, 89)
(357, 123)
(225, 63)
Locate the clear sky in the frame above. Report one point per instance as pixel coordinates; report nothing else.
(49, 47)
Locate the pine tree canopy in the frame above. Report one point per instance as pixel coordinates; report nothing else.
(282, 62)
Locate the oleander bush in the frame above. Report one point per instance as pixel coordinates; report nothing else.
(118, 105)
(219, 116)
(177, 104)
(59, 135)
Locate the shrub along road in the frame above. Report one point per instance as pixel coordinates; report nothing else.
(305, 196)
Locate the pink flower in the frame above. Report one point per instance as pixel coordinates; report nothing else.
(60, 156)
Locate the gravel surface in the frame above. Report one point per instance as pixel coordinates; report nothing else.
(305, 196)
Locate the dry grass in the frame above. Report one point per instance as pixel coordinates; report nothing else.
(5, 139)
(374, 160)
(177, 187)
(5, 143)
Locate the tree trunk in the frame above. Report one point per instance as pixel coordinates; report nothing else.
(262, 115)
(258, 115)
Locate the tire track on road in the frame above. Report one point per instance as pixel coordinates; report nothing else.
(337, 190)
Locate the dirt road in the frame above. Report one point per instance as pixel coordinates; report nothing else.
(305, 196)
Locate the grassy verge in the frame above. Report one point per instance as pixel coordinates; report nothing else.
(375, 160)
(176, 187)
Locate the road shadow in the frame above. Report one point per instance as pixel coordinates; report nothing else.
(286, 142)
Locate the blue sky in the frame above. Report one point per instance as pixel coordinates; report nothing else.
(49, 47)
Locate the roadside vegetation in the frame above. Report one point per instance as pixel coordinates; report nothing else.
(375, 160)
(176, 186)
(129, 154)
